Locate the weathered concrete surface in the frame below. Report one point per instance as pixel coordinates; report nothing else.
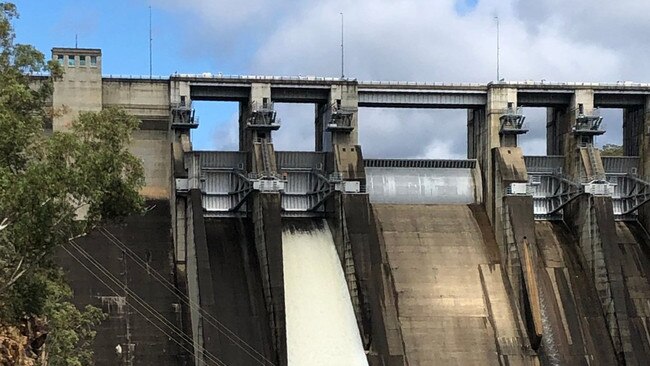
(267, 229)
(609, 262)
(636, 142)
(224, 271)
(348, 160)
(238, 301)
(523, 265)
(511, 165)
(592, 163)
(579, 330)
(154, 149)
(488, 138)
(380, 328)
(149, 236)
(338, 228)
(608, 273)
(575, 330)
(197, 274)
(148, 99)
(452, 303)
(80, 88)
(634, 251)
(262, 157)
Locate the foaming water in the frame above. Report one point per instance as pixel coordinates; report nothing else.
(321, 326)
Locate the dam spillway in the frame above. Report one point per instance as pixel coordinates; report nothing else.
(321, 324)
(499, 258)
(431, 274)
(453, 305)
(577, 329)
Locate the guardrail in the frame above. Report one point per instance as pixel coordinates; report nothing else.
(420, 163)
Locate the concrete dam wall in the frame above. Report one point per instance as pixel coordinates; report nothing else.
(372, 283)
(495, 259)
(133, 262)
(237, 323)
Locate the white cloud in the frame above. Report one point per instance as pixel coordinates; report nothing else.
(297, 129)
(399, 133)
(424, 41)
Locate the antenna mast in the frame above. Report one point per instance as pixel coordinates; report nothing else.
(498, 48)
(342, 50)
(150, 47)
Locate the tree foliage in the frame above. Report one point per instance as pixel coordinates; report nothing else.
(71, 330)
(612, 150)
(54, 187)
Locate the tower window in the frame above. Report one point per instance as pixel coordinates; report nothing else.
(60, 59)
(82, 60)
(93, 61)
(71, 60)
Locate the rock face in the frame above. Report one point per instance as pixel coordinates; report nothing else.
(23, 345)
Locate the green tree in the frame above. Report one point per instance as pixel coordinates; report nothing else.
(612, 150)
(53, 188)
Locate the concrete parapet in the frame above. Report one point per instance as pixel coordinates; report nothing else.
(147, 99)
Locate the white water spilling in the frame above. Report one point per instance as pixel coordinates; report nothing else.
(321, 326)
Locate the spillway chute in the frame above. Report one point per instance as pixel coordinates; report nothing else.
(321, 325)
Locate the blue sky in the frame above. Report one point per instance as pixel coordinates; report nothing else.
(121, 29)
(411, 40)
